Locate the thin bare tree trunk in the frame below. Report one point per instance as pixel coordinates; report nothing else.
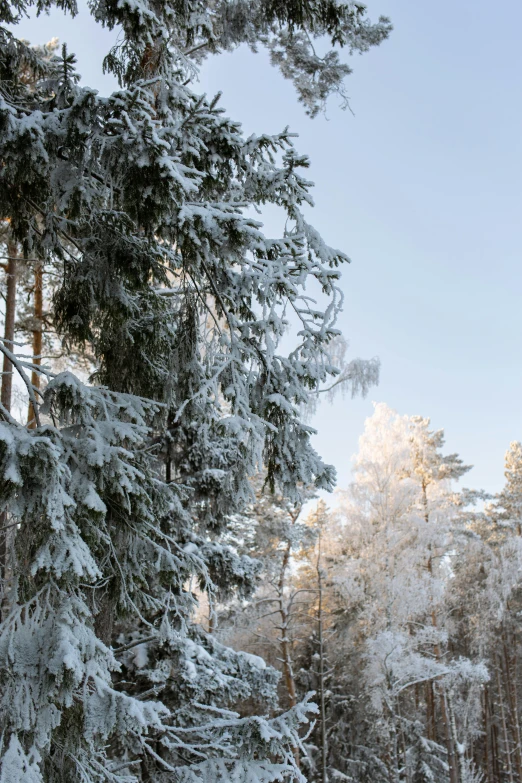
(37, 338)
(211, 613)
(320, 640)
(491, 759)
(284, 641)
(458, 748)
(431, 724)
(452, 760)
(7, 533)
(487, 760)
(9, 326)
(512, 701)
(430, 712)
(496, 752)
(507, 752)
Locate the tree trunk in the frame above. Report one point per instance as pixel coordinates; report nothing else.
(430, 712)
(452, 757)
(7, 533)
(37, 338)
(452, 760)
(211, 613)
(491, 760)
(487, 755)
(458, 748)
(320, 639)
(9, 327)
(512, 701)
(284, 641)
(505, 737)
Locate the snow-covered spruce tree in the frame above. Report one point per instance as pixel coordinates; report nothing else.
(115, 500)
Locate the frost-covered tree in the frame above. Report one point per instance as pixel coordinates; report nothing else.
(288, 619)
(401, 522)
(486, 605)
(272, 622)
(114, 502)
(506, 511)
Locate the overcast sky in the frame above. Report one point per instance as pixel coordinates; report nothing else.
(422, 188)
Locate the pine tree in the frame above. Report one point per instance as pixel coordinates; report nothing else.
(507, 509)
(118, 495)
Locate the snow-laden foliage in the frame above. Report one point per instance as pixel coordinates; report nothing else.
(113, 504)
(100, 538)
(143, 196)
(294, 33)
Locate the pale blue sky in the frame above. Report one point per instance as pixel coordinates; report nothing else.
(422, 188)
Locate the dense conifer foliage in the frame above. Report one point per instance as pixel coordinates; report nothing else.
(133, 213)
